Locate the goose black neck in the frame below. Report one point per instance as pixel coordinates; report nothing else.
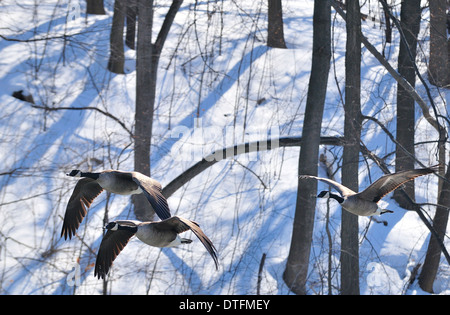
(337, 198)
(90, 175)
(132, 229)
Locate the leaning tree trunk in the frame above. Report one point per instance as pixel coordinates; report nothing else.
(352, 131)
(296, 271)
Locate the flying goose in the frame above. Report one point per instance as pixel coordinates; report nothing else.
(118, 182)
(158, 234)
(365, 203)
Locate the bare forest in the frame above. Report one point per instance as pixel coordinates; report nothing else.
(226, 103)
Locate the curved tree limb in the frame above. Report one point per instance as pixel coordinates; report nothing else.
(117, 120)
(219, 155)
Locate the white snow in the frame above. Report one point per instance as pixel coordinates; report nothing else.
(213, 80)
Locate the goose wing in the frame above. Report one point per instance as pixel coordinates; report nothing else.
(343, 190)
(390, 182)
(84, 193)
(181, 225)
(112, 244)
(153, 191)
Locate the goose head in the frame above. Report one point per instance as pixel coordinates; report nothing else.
(74, 173)
(113, 226)
(380, 211)
(327, 194)
(324, 194)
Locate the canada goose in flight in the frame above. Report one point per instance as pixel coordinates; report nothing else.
(159, 234)
(118, 182)
(364, 203)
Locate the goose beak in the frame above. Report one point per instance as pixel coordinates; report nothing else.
(386, 211)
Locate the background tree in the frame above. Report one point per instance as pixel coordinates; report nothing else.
(439, 70)
(275, 32)
(147, 60)
(95, 7)
(352, 133)
(131, 15)
(116, 52)
(145, 96)
(404, 155)
(296, 271)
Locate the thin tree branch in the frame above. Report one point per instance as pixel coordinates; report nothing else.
(400, 80)
(261, 267)
(64, 37)
(165, 28)
(419, 75)
(86, 108)
(391, 136)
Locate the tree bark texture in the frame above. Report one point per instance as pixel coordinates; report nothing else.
(145, 98)
(352, 131)
(147, 61)
(275, 31)
(95, 7)
(439, 67)
(116, 51)
(410, 23)
(296, 271)
(131, 15)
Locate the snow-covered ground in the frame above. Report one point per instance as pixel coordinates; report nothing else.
(218, 85)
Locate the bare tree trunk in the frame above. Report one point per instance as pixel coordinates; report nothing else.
(145, 98)
(116, 55)
(410, 23)
(296, 271)
(439, 67)
(275, 32)
(131, 23)
(95, 7)
(352, 131)
(146, 75)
